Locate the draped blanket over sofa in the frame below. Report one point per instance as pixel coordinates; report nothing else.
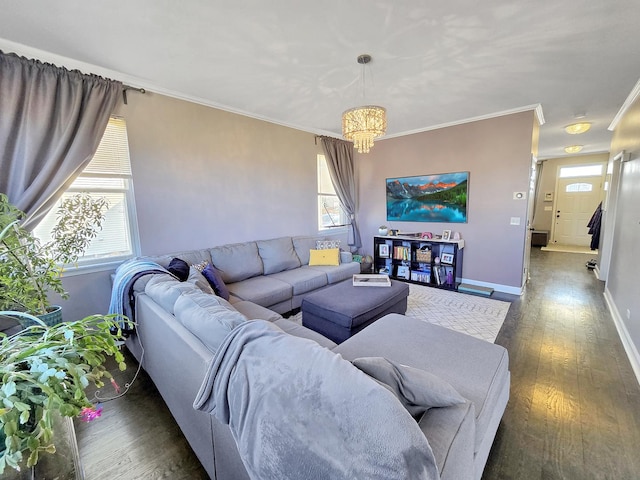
(259, 397)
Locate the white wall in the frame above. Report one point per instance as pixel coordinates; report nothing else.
(622, 287)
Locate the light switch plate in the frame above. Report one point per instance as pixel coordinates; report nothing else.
(515, 220)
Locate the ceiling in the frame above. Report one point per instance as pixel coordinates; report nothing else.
(293, 62)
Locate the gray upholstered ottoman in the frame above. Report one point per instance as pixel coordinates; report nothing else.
(342, 310)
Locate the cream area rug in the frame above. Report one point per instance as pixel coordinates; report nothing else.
(479, 317)
(568, 249)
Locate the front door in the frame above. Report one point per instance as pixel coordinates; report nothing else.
(576, 200)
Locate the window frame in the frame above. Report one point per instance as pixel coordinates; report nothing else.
(321, 163)
(84, 266)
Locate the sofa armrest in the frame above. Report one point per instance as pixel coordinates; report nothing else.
(346, 257)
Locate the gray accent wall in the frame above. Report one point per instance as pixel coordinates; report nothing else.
(622, 289)
(497, 154)
(205, 177)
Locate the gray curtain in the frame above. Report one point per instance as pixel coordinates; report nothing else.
(51, 123)
(339, 155)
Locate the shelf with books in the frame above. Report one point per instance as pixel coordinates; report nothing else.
(432, 262)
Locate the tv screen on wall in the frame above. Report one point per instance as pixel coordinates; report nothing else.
(428, 198)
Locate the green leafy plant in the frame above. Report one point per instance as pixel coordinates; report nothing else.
(47, 369)
(30, 269)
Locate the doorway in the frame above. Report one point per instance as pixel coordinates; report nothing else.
(579, 190)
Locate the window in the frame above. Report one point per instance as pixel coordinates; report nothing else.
(107, 175)
(581, 171)
(331, 214)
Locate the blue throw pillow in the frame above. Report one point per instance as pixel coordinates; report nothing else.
(179, 268)
(215, 280)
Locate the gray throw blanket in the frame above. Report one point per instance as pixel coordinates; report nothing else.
(298, 411)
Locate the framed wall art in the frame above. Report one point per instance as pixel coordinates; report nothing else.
(439, 197)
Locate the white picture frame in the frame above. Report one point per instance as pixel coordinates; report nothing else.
(383, 250)
(446, 235)
(447, 258)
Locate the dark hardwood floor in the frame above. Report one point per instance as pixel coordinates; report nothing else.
(574, 410)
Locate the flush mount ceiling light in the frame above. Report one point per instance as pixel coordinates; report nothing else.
(573, 149)
(577, 128)
(362, 125)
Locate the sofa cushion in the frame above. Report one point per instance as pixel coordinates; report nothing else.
(451, 434)
(191, 257)
(164, 289)
(338, 273)
(416, 389)
(197, 279)
(302, 245)
(277, 255)
(295, 329)
(214, 277)
(205, 317)
(302, 280)
(179, 268)
(265, 291)
(478, 370)
(253, 311)
(237, 262)
(327, 256)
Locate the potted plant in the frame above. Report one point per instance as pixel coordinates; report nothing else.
(383, 230)
(44, 371)
(30, 269)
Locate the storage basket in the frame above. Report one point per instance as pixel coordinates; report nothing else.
(423, 255)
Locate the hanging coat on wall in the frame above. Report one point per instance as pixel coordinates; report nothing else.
(594, 227)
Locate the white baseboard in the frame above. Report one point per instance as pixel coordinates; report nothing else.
(627, 342)
(496, 286)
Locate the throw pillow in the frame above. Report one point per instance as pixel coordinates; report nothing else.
(324, 244)
(214, 278)
(179, 268)
(416, 389)
(198, 279)
(330, 256)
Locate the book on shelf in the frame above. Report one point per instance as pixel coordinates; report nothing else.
(423, 276)
(400, 253)
(403, 272)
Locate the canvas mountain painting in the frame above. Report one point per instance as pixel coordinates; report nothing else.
(428, 198)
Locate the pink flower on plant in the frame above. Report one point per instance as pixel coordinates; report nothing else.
(116, 387)
(88, 414)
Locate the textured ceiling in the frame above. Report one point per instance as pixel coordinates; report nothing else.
(294, 62)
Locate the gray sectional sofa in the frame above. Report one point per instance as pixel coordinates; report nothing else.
(273, 273)
(181, 325)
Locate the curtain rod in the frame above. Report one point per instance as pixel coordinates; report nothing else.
(324, 136)
(126, 87)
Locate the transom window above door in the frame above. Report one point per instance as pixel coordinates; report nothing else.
(581, 171)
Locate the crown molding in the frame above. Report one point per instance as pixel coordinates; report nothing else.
(537, 108)
(633, 96)
(8, 46)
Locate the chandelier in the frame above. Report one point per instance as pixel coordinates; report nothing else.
(362, 125)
